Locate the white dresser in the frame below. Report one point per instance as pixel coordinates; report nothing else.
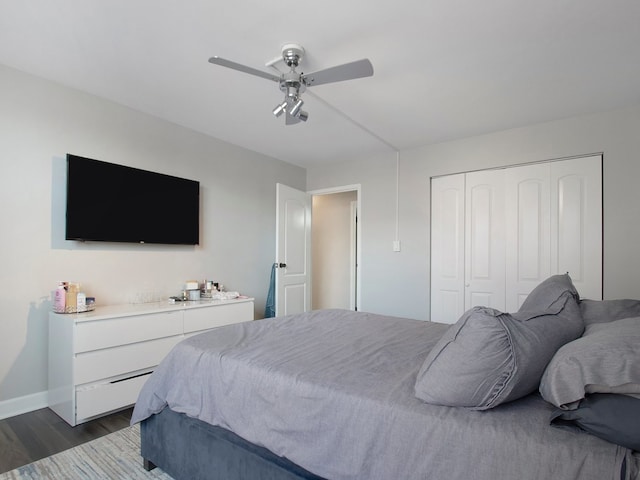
(99, 360)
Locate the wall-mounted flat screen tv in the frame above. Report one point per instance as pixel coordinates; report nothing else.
(114, 203)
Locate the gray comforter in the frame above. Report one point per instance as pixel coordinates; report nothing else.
(333, 391)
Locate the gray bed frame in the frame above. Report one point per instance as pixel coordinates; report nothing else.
(187, 448)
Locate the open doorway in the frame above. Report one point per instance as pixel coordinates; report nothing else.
(335, 239)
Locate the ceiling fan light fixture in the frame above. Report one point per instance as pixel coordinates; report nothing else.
(280, 109)
(295, 110)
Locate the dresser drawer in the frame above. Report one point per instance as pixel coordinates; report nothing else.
(94, 335)
(111, 362)
(196, 319)
(98, 399)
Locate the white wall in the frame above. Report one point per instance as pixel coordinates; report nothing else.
(331, 250)
(39, 123)
(398, 283)
(379, 272)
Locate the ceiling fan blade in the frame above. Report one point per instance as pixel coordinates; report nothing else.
(243, 68)
(339, 73)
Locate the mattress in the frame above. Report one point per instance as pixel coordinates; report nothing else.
(332, 391)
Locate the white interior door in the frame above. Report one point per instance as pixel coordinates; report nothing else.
(293, 251)
(485, 240)
(521, 225)
(447, 248)
(576, 223)
(528, 241)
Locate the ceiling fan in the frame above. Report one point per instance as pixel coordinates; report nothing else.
(294, 83)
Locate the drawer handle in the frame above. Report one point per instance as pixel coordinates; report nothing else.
(134, 376)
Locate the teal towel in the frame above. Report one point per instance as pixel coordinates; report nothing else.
(270, 308)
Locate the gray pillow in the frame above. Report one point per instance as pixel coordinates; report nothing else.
(489, 357)
(614, 418)
(549, 297)
(605, 360)
(595, 311)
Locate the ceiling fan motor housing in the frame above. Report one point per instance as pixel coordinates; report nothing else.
(292, 53)
(291, 82)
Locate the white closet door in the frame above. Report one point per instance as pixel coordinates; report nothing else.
(485, 240)
(528, 219)
(447, 248)
(505, 231)
(576, 223)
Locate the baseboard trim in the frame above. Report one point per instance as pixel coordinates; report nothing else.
(20, 405)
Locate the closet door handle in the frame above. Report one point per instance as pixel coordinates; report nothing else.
(279, 265)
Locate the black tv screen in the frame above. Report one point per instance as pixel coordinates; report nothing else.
(115, 203)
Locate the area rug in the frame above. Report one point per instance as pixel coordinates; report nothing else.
(114, 456)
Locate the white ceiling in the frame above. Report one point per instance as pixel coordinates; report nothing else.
(443, 69)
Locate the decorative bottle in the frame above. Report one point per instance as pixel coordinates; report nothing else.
(59, 301)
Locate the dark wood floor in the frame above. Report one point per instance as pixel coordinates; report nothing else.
(31, 436)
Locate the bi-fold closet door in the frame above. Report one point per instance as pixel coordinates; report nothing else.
(496, 234)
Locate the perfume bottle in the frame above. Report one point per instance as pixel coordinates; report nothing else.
(60, 298)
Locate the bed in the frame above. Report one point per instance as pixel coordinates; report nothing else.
(334, 394)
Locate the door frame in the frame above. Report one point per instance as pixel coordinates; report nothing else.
(358, 233)
(353, 256)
